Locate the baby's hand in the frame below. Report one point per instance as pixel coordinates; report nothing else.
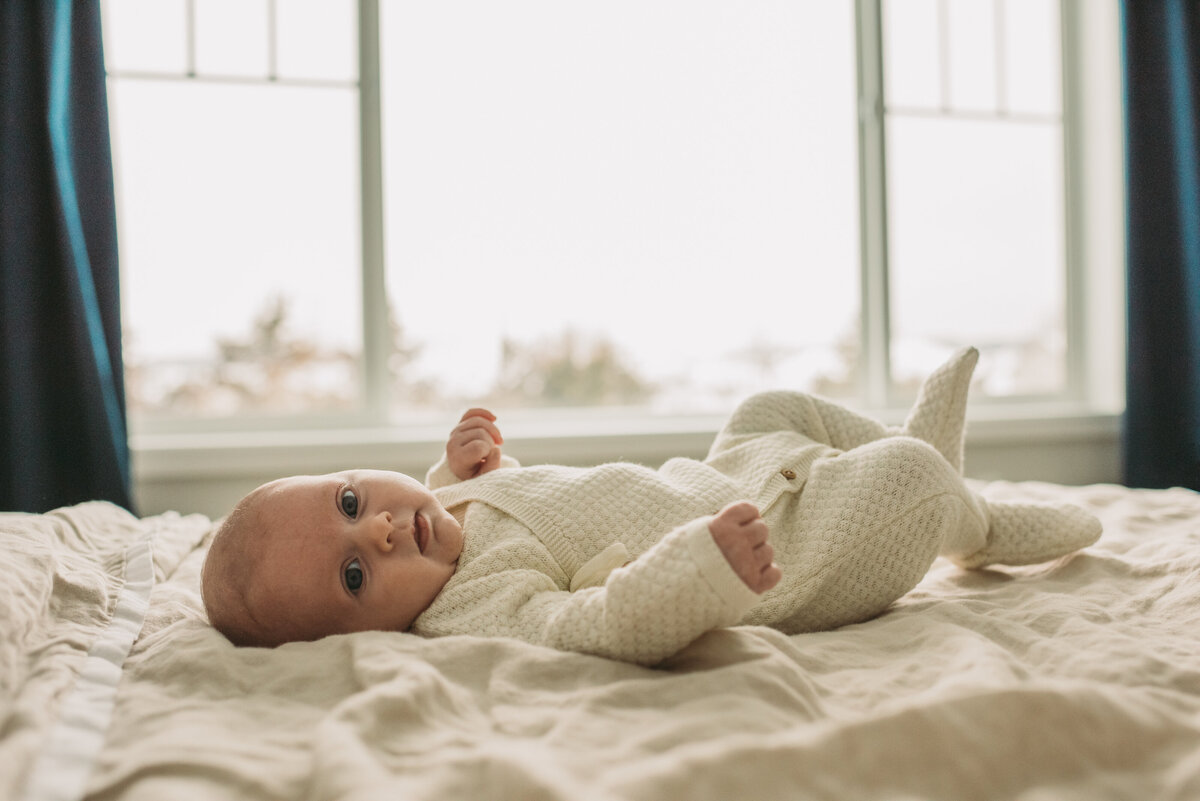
(741, 535)
(474, 445)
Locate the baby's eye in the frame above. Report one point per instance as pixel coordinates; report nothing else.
(354, 576)
(349, 503)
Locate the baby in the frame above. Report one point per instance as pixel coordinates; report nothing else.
(804, 516)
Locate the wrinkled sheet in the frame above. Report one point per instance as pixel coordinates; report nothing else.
(1078, 679)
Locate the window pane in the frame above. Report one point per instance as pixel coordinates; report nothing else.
(239, 246)
(912, 46)
(976, 249)
(317, 39)
(1033, 36)
(972, 62)
(232, 37)
(583, 209)
(145, 35)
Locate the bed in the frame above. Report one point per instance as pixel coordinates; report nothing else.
(1077, 679)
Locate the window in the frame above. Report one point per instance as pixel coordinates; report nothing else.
(385, 211)
(236, 153)
(975, 177)
(658, 214)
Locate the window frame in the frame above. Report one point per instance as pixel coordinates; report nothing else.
(1094, 270)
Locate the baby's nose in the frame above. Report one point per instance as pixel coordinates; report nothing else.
(382, 529)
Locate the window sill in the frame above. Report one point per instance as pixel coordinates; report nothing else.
(208, 473)
(266, 454)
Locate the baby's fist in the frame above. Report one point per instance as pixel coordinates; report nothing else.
(741, 535)
(474, 445)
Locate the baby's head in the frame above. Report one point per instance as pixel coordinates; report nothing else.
(305, 557)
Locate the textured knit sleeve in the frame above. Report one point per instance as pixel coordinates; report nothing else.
(440, 474)
(645, 612)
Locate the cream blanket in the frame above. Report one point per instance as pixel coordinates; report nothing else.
(1075, 679)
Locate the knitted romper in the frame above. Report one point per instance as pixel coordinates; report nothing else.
(617, 560)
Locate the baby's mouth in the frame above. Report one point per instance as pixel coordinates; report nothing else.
(420, 532)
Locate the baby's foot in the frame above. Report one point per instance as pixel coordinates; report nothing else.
(1026, 533)
(939, 416)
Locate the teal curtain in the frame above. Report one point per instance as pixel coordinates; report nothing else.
(1161, 53)
(62, 405)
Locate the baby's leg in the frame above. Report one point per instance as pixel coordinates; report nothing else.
(863, 532)
(1026, 534)
(938, 417)
(1018, 534)
(813, 417)
(869, 522)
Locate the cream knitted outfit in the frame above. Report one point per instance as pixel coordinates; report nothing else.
(617, 560)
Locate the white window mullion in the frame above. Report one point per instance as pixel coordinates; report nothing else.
(376, 329)
(875, 368)
(190, 39)
(1072, 191)
(1094, 203)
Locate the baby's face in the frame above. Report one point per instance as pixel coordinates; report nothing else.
(354, 551)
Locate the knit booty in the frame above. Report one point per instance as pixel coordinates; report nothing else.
(939, 416)
(1026, 533)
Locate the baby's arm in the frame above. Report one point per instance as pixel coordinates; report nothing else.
(646, 611)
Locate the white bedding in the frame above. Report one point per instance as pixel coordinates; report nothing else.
(1076, 679)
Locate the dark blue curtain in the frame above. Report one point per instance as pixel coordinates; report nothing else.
(1161, 43)
(62, 404)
